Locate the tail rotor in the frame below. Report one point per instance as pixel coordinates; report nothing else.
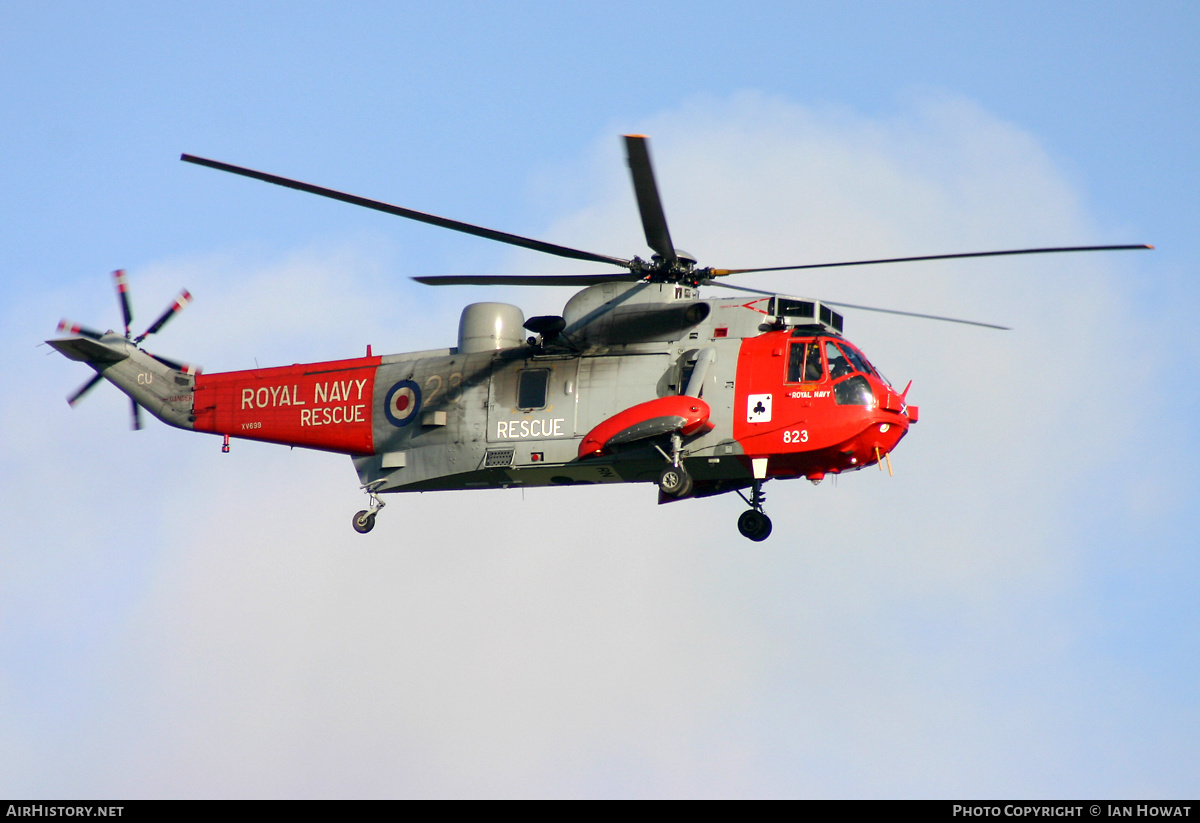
(121, 283)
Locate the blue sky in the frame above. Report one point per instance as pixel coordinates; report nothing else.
(1011, 615)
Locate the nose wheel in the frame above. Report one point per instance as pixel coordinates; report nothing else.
(364, 520)
(754, 524)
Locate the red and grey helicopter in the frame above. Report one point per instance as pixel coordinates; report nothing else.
(639, 380)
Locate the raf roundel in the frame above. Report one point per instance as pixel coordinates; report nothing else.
(403, 401)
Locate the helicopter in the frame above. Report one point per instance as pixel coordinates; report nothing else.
(639, 380)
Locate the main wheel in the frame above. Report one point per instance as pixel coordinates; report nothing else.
(755, 525)
(675, 481)
(363, 522)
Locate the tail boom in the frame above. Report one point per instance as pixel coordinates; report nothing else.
(325, 406)
(163, 391)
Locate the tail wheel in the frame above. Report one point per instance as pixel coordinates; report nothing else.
(675, 481)
(364, 522)
(754, 525)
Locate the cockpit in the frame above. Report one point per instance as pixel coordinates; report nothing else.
(824, 359)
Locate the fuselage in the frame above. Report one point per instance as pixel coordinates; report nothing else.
(633, 375)
(781, 399)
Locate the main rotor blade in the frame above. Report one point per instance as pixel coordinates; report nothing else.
(722, 272)
(654, 221)
(526, 279)
(914, 314)
(84, 389)
(181, 300)
(411, 214)
(868, 308)
(123, 295)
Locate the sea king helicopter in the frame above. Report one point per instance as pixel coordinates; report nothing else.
(639, 380)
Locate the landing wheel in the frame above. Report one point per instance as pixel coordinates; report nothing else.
(675, 481)
(364, 522)
(754, 525)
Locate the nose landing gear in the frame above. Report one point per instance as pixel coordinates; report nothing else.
(754, 524)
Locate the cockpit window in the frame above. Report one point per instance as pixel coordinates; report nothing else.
(805, 363)
(839, 366)
(854, 392)
(857, 360)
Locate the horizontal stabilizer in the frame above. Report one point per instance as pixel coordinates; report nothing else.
(87, 350)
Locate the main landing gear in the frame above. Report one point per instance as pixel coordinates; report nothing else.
(754, 523)
(364, 521)
(674, 480)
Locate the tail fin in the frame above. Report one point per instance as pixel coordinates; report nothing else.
(119, 360)
(163, 389)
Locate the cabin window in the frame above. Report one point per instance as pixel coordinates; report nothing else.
(531, 388)
(804, 365)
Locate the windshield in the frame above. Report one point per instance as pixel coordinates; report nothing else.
(806, 365)
(839, 365)
(861, 362)
(856, 358)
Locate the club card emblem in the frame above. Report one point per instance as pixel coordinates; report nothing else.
(758, 408)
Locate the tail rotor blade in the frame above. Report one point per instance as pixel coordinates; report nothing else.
(122, 285)
(181, 300)
(654, 220)
(186, 368)
(84, 389)
(137, 414)
(66, 326)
